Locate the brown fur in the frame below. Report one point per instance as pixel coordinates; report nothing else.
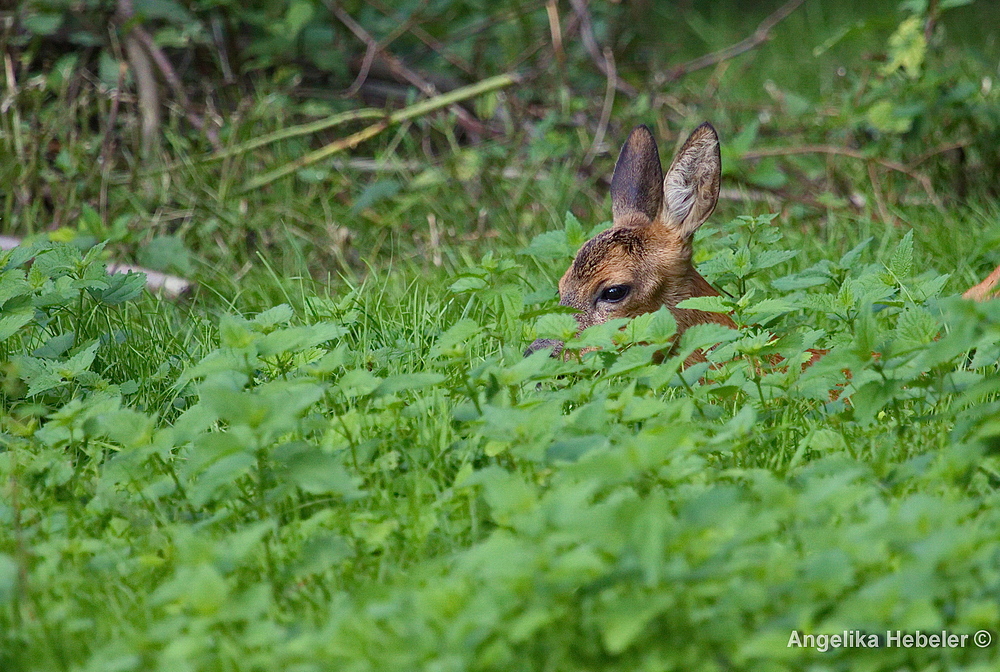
(648, 247)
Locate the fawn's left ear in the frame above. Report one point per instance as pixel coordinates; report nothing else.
(691, 187)
(637, 184)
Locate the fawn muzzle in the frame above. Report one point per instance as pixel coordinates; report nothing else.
(542, 344)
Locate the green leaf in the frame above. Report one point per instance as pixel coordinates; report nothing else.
(467, 284)
(886, 117)
(121, 287)
(907, 48)
(79, 362)
(280, 314)
(559, 326)
(452, 342)
(297, 339)
(549, 245)
(358, 383)
(166, 253)
(709, 304)
(408, 381)
(11, 322)
(901, 262)
(9, 572)
(320, 474)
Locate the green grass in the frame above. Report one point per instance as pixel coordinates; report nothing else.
(333, 455)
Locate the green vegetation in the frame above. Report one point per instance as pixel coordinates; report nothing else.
(332, 454)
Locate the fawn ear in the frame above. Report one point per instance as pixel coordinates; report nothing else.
(691, 187)
(636, 187)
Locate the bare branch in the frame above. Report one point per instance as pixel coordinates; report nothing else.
(596, 53)
(470, 123)
(758, 37)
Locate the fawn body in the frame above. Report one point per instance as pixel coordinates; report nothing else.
(644, 260)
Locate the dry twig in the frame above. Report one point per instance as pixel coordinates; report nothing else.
(609, 101)
(758, 37)
(596, 53)
(405, 114)
(470, 123)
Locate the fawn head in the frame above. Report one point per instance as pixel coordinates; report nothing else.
(644, 260)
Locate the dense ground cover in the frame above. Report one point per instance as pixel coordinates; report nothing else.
(334, 455)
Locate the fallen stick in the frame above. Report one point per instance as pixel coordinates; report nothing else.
(415, 110)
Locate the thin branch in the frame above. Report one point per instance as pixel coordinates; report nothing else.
(941, 149)
(758, 37)
(432, 42)
(924, 181)
(596, 53)
(470, 123)
(883, 210)
(609, 101)
(416, 110)
(555, 29)
(175, 84)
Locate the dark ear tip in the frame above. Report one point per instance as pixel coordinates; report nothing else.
(705, 128)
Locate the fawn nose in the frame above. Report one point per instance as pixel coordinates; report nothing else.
(542, 343)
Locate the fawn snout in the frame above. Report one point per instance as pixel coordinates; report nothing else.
(644, 260)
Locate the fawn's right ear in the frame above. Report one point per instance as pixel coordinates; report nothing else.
(637, 184)
(691, 188)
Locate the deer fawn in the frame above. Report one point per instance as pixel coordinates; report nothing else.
(644, 260)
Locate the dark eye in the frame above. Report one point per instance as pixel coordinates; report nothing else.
(615, 294)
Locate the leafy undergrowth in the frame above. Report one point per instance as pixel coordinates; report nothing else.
(354, 485)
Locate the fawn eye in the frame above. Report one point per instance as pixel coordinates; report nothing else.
(615, 293)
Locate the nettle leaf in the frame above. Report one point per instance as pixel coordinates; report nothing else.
(709, 304)
(524, 369)
(320, 474)
(469, 283)
(119, 288)
(852, 255)
(234, 332)
(358, 383)
(655, 328)
(575, 236)
(408, 381)
(126, 427)
(549, 245)
(768, 258)
(79, 362)
(13, 283)
(59, 260)
(901, 262)
(40, 374)
(219, 477)
(296, 339)
(20, 255)
(55, 346)
(11, 322)
(916, 327)
(452, 342)
(280, 314)
(559, 326)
